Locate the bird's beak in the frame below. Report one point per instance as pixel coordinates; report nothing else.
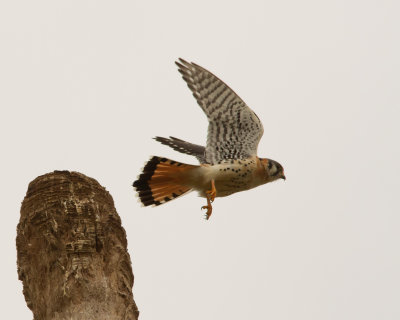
(283, 177)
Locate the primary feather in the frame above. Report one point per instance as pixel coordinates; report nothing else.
(234, 130)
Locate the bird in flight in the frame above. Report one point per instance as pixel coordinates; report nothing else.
(229, 161)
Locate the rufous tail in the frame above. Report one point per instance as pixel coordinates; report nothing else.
(162, 180)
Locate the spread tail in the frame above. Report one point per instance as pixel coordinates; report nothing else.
(162, 180)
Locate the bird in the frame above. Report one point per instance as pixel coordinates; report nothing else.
(227, 164)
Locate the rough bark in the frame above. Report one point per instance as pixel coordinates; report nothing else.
(72, 251)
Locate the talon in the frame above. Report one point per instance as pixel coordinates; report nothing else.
(208, 213)
(210, 195)
(209, 210)
(208, 207)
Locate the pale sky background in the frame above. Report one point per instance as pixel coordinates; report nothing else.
(85, 85)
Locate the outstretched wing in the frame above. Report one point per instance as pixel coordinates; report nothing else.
(184, 147)
(234, 130)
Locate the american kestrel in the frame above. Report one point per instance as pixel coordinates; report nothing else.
(228, 163)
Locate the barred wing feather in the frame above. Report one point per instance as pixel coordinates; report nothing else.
(234, 130)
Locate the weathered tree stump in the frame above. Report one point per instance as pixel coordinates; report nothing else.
(72, 251)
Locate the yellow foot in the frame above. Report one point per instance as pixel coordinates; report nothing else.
(209, 211)
(210, 195)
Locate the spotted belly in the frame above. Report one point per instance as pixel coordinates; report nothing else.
(229, 177)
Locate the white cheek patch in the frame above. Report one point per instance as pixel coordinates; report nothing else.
(273, 170)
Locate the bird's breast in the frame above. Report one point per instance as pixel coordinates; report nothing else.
(229, 177)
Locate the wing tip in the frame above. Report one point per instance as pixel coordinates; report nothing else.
(185, 67)
(181, 61)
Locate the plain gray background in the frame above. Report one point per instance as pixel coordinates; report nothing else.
(85, 85)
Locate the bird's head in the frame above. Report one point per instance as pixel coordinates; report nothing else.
(273, 170)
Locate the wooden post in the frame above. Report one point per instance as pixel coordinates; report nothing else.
(72, 251)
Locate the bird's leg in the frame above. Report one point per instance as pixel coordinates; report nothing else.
(213, 192)
(210, 195)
